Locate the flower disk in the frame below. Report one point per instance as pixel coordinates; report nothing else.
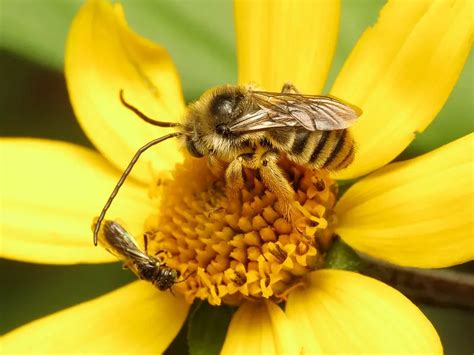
(228, 251)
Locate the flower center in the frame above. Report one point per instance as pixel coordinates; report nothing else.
(228, 251)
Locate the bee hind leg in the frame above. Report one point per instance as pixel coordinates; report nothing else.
(276, 182)
(215, 166)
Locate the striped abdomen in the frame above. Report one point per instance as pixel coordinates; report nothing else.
(331, 150)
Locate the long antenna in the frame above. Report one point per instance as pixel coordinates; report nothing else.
(145, 117)
(124, 176)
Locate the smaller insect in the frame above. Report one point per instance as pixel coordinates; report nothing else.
(117, 241)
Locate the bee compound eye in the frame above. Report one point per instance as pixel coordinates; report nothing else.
(225, 105)
(222, 106)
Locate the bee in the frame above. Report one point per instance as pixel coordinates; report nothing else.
(248, 128)
(117, 241)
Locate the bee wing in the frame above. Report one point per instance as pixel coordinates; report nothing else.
(274, 110)
(121, 243)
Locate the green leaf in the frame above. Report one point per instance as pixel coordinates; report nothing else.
(341, 256)
(207, 329)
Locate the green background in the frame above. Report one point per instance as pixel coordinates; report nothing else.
(198, 34)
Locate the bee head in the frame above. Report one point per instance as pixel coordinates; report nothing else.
(206, 124)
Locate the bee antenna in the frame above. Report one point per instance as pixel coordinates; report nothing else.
(124, 176)
(145, 243)
(143, 116)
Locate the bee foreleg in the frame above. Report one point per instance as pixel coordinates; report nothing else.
(289, 88)
(276, 182)
(215, 166)
(234, 179)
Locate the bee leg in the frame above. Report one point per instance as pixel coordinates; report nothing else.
(276, 182)
(215, 166)
(234, 179)
(159, 254)
(289, 88)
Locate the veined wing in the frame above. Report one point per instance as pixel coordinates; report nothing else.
(274, 110)
(120, 243)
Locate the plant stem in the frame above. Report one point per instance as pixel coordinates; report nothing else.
(440, 287)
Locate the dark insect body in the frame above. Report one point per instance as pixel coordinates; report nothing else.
(116, 240)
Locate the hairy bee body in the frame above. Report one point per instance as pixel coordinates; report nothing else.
(207, 130)
(331, 150)
(248, 128)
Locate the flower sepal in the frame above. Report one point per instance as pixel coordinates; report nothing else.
(343, 257)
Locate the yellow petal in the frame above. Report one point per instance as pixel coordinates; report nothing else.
(286, 41)
(50, 193)
(417, 212)
(133, 319)
(260, 328)
(400, 74)
(103, 56)
(344, 312)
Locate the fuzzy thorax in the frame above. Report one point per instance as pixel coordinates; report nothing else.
(228, 251)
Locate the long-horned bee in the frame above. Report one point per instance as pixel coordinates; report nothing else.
(248, 128)
(116, 240)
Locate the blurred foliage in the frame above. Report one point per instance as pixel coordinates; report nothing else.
(198, 34)
(342, 257)
(35, 102)
(205, 41)
(207, 328)
(37, 30)
(33, 291)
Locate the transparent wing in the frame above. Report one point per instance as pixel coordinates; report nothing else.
(120, 243)
(273, 110)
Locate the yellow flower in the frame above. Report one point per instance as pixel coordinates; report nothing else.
(413, 213)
